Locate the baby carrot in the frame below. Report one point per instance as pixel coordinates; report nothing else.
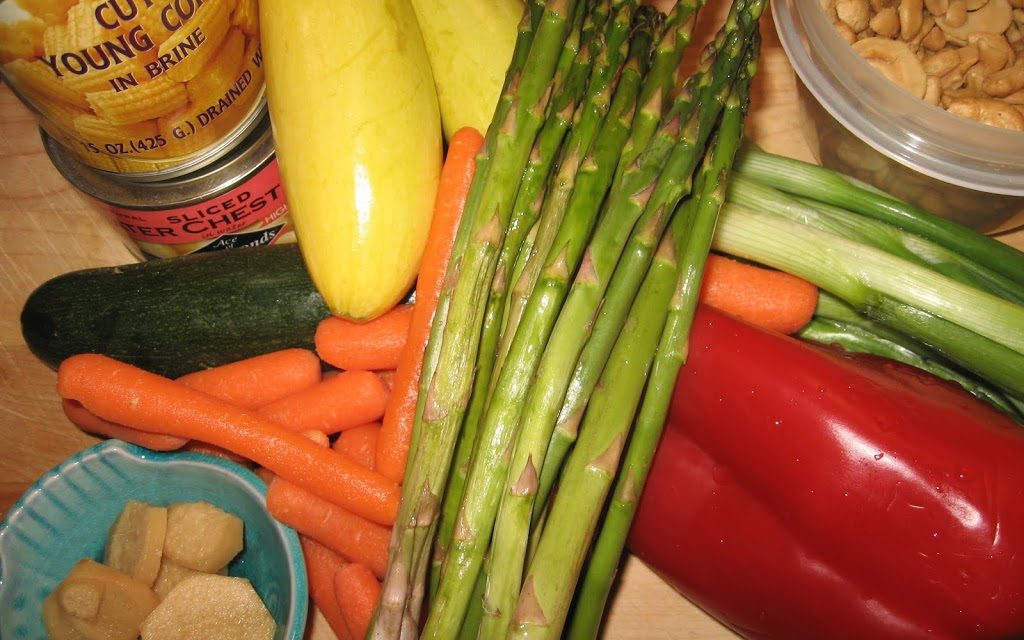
(770, 299)
(90, 423)
(359, 444)
(321, 565)
(258, 380)
(126, 394)
(342, 401)
(358, 593)
(456, 176)
(354, 538)
(372, 345)
(205, 448)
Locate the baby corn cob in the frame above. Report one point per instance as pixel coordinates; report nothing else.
(147, 100)
(34, 76)
(220, 72)
(95, 128)
(213, 19)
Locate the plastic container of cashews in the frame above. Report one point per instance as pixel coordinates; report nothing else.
(860, 122)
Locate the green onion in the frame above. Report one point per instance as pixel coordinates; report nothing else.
(981, 331)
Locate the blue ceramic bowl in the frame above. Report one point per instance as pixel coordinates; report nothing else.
(66, 514)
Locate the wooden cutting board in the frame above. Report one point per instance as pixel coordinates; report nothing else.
(47, 228)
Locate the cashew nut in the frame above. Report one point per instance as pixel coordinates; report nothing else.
(933, 90)
(896, 60)
(911, 16)
(941, 63)
(855, 13)
(995, 16)
(935, 39)
(885, 23)
(1003, 83)
(955, 16)
(1016, 98)
(994, 52)
(936, 7)
(988, 111)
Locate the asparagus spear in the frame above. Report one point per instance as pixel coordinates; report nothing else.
(693, 231)
(508, 546)
(547, 589)
(568, 85)
(647, 213)
(591, 468)
(445, 388)
(509, 541)
(585, 129)
(476, 515)
(658, 88)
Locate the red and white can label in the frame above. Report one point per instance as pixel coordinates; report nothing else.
(253, 213)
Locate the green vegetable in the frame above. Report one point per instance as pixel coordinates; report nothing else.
(978, 330)
(177, 315)
(449, 368)
(824, 185)
(625, 165)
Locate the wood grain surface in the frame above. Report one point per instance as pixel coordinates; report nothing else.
(47, 228)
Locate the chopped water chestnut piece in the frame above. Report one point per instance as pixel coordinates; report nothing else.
(99, 603)
(201, 536)
(57, 622)
(170, 574)
(136, 542)
(210, 606)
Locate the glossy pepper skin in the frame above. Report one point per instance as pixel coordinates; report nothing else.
(803, 493)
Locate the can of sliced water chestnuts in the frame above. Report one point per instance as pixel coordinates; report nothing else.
(237, 201)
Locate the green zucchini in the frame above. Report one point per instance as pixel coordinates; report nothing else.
(177, 315)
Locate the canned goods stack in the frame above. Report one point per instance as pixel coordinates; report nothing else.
(156, 109)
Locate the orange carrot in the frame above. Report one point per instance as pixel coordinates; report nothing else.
(456, 176)
(339, 402)
(372, 345)
(354, 538)
(258, 380)
(205, 448)
(321, 565)
(358, 593)
(97, 426)
(771, 299)
(128, 395)
(359, 444)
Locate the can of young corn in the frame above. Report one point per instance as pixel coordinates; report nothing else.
(149, 89)
(237, 201)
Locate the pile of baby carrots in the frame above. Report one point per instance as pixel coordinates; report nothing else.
(329, 431)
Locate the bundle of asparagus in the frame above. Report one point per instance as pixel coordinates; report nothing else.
(565, 317)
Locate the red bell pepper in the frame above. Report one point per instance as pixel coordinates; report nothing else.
(800, 492)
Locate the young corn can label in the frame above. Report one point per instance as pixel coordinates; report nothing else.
(141, 87)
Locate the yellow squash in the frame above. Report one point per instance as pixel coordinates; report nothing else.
(470, 46)
(358, 136)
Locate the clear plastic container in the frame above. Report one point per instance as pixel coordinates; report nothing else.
(859, 122)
